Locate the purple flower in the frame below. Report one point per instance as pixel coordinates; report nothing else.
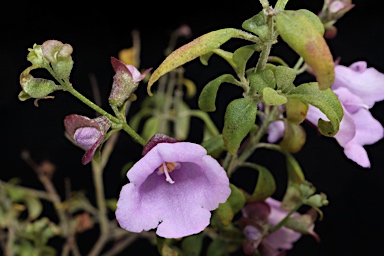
(257, 218)
(173, 187)
(86, 133)
(358, 88)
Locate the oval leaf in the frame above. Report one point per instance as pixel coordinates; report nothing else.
(300, 33)
(207, 96)
(265, 186)
(272, 97)
(325, 100)
(198, 47)
(240, 117)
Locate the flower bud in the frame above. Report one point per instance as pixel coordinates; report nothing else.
(59, 56)
(87, 133)
(125, 82)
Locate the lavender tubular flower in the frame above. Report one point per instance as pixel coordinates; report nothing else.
(256, 220)
(358, 89)
(172, 188)
(87, 133)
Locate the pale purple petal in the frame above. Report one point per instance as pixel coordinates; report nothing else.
(135, 73)
(358, 154)
(367, 84)
(86, 137)
(368, 131)
(347, 129)
(284, 237)
(179, 209)
(275, 131)
(336, 6)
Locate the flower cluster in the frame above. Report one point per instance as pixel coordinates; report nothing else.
(358, 89)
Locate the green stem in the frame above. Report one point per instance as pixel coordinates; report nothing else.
(264, 3)
(254, 141)
(282, 222)
(101, 205)
(280, 5)
(266, 48)
(101, 111)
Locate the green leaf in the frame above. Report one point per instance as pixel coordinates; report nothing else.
(241, 56)
(198, 47)
(300, 33)
(218, 247)
(192, 245)
(292, 196)
(151, 127)
(164, 248)
(214, 145)
(261, 79)
(235, 202)
(314, 19)
(324, 100)
(34, 207)
(239, 118)
(272, 97)
(265, 186)
(284, 78)
(207, 96)
(257, 25)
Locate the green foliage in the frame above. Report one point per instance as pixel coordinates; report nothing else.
(239, 118)
(257, 25)
(303, 36)
(198, 47)
(325, 100)
(207, 96)
(233, 205)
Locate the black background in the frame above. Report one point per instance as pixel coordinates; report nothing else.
(352, 223)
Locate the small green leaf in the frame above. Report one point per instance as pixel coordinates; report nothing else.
(240, 117)
(272, 97)
(34, 207)
(265, 186)
(261, 79)
(218, 247)
(198, 47)
(257, 25)
(214, 145)
(151, 127)
(241, 56)
(300, 33)
(292, 196)
(284, 78)
(207, 96)
(325, 100)
(235, 202)
(192, 245)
